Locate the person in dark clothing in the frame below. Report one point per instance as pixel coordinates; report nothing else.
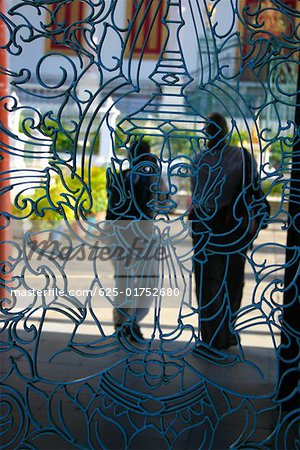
(130, 220)
(122, 204)
(227, 182)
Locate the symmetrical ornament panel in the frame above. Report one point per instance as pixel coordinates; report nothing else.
(122, 75)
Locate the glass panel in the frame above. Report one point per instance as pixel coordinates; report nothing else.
(146, 156)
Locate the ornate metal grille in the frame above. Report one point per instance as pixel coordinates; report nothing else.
(86, 75)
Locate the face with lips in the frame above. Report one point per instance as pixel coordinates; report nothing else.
(163, 179)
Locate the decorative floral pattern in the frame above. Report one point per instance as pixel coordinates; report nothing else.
(137, 390)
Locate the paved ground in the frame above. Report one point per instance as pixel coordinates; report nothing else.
(268, 251)
(247, 420)
(87, 361)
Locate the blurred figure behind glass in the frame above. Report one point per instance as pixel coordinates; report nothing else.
(223, 171)
(129, 196)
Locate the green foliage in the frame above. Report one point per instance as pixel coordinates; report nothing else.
(98, 189)
(280, 151)
(238, 138)
(62, 140)
(45, 215)
(122, 139)
(96, 144)
(63, 143)
(272, 189)
(182, 145)
(64, 194)
(90, 194)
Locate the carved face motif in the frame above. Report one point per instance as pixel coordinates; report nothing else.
(163, 180)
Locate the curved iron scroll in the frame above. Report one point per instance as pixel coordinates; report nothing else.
(108, 390)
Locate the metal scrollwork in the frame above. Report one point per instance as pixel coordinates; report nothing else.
(62, 385)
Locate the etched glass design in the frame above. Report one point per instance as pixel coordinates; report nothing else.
(124, 178)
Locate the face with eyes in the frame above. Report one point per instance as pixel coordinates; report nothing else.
(162, 181)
